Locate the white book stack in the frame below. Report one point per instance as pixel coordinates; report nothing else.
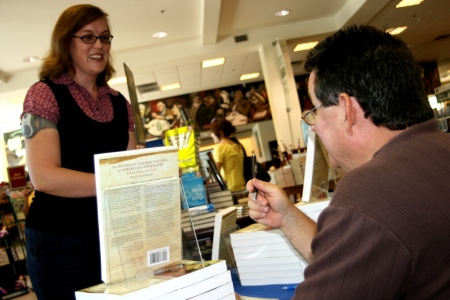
(202, 217)
(221, 199)
(200, 221)
(279, 178)
(264, 256)
(242, 209)
(312, 209)
(288, 176)
(298, 167)
(212, 282)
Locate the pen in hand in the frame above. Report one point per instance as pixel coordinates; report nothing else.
(254, 170)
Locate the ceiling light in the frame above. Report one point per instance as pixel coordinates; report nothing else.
(213, 62)
(117, 80)
(405, 3)
(396, 30)
(30, 59)
(305, 46)
(159, 35)
(249, 76)
(171, 86)
(282, 13)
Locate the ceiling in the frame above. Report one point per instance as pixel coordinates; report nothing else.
(205, 29)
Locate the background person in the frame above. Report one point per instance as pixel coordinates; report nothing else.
(81, 116)
(386, 232)
(228, 156)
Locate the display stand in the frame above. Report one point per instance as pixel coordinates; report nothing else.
(315, 186)
(141, 244)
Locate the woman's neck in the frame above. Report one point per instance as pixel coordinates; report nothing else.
(89, 83)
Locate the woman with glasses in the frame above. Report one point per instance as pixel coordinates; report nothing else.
(68, 116)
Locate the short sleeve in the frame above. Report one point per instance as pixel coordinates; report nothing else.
(40, 101)
(218, 154)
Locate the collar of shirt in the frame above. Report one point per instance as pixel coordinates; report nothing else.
(66, 79)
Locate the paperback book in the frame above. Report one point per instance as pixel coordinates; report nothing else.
(265, 256)
(138, 201)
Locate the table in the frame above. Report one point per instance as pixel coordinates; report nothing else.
(262, 291)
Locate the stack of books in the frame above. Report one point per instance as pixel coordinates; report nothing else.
(221, 199)
(240, 196)
(212, 187)
(298, 167)
(288, 176)
(284, 176)
(201, 216)
(279, 178)
(242, 209)
(186, 280)
(265, 256)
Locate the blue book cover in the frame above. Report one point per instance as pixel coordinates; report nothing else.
(194, 190)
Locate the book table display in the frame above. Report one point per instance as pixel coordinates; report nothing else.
(139, 212)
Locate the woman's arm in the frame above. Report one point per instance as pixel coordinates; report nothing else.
(44, 165)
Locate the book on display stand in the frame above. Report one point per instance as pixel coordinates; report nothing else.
(139, 212)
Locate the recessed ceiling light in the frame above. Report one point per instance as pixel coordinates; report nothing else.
(282, 13)
(213, 62)
(30, 59)
(159, 35)
(405, 3)
(249, 76)
(396, 30)
(171, 86)
(305, 46)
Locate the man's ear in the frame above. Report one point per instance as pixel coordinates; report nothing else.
(346, 102)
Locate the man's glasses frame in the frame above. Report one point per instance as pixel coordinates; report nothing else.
(310, 116)
(92, 38)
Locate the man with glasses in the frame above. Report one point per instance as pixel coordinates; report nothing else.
(386, 232)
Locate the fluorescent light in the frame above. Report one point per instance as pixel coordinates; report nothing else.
(117, 80)
(213, 62)
(305, 46)
(30, 59)
(249, 76)
(171, 86)
(159, 35)
(405, 3)
(396, 30)
(282, 13)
